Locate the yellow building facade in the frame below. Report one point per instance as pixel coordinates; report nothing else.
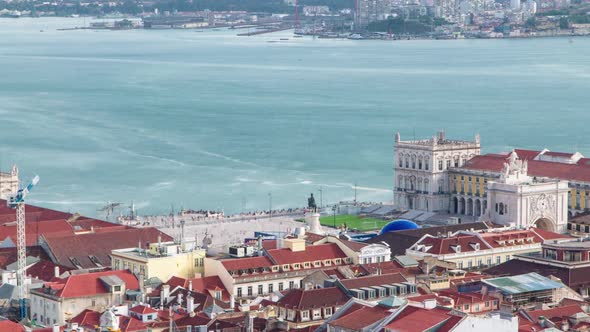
(162, 260)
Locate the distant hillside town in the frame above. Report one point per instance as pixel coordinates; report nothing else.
(354, 19)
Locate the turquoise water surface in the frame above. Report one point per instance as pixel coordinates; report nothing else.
(215, 121)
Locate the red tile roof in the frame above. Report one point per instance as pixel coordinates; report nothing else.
(373, 280)
(313, 298)
(446, 245)
(87, 318)
(245, 263)
(311, 253)
(361, 318)
(547, 169)
(202, 285)
(553, 313)
(8, 326)
(131, 324)
(99, 243)
(547, 235)
(87, 284)
(143, 310)
(45, 270)
(413, 319)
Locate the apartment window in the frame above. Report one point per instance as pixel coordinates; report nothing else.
(440, 165)
(498, 259)
(116, 261)
(420, 163)
(317, 314)
(249, 290)
(239, 291)
(469, 264)
(280, 286)
(270, 288)
(487, 303)
(401, 163)
(291, 284)
(551, 254)
(479, 262)
(448, 164)
(407, 162)
(93, 302)
(460, 265)
(489, 261)
(466, 307)
(456, 163)
(260, 289)
(426, 164)
(476, 307)
(413, 162)
(327, 312)
(507, 258)
(117, 288)
(305, 315)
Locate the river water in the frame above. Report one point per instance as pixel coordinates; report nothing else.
(215, 121)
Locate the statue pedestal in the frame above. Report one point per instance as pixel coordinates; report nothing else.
(313, 222)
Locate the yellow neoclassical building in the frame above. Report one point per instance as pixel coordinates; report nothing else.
(162, 260)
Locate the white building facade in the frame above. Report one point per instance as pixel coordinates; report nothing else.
(519, 200)
(421, 170)
(8, 182)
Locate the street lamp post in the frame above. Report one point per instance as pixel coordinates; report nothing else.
(334, 214)
(321, 197)
(270, 205)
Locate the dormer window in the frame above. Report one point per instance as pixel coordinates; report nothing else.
(307, 265)
(456, 247)
(327, 262)
(338, 261)
(426, 248)
(275, 268)
(475, 246)
(317, 264)
(296, 266)
(286, 267)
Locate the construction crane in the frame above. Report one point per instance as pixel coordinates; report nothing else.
(17, 201)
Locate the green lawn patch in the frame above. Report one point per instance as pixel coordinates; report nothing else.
(354, 222)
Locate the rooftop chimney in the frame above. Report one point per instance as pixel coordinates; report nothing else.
(164, 293)
(55, 328)
(190, 304)
(56, 271)
(190, 285)
(232, 302)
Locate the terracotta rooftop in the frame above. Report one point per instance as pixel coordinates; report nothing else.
(361, 318)
(8, 326)
(245, 263)
(313, 298)
(579, 171)
(399, 241)
(143, 310)
(204, 285)
(413, 319)
(78, 248)
(311, 253)
(87, 318)
(86, 284)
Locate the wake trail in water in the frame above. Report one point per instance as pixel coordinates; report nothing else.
(173, 161)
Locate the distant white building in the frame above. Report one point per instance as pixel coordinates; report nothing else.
(515, 4)
(421, 177)
(8, 182)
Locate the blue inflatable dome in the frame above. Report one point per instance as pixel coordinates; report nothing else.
(398, 225)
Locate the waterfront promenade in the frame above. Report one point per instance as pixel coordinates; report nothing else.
(227, 231)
